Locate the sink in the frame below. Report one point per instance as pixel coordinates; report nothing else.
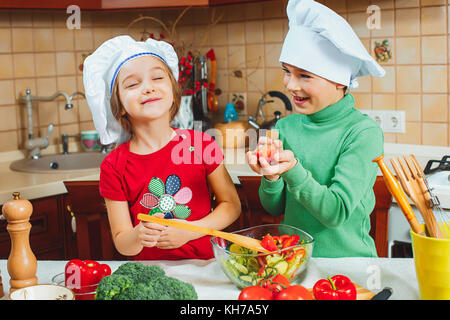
(58, 163)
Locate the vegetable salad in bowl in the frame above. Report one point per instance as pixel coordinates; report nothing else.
(289, 252)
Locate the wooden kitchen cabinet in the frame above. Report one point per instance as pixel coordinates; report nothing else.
(47, 230)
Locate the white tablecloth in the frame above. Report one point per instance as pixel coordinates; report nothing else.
(212, 284)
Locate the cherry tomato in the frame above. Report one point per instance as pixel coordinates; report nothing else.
(255, 293)
(295, 292)
(267, 151)
(275, 284)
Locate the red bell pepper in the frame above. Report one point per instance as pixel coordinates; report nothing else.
(290, 241)
(83, 276)
(337, 287)
(269, 243)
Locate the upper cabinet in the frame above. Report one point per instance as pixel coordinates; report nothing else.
(112, 4)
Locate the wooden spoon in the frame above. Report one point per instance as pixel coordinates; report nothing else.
(243, 241)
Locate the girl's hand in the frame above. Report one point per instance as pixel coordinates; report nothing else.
(149, 232)
(172, 238)
(280, 160)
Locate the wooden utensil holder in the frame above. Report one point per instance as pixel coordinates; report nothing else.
(22, 264)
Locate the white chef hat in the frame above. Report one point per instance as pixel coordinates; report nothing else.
(100, 70)
(322, 42)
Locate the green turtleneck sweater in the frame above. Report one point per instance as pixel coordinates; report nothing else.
(329, 193)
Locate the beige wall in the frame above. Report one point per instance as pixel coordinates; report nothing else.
(39, 52)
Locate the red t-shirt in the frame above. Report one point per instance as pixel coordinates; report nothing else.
(171, 180)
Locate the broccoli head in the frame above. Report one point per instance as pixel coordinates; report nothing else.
(136, 281)
(112, 285)
(170, 288)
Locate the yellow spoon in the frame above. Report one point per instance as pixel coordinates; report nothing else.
(243, 241)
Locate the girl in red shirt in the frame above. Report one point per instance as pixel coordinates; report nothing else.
(132, 90)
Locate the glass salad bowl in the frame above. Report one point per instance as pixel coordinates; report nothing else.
(245, 267)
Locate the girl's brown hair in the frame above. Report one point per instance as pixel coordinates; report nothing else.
(120, 114)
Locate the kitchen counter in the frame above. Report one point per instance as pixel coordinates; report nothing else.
(38, 185)
(212, 284)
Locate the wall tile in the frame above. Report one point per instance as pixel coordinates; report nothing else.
(43, 39)
(434, 49)
(8, 141)
(383, 102)
(6, 43)
(407, 22)
(433, 20)
(408, 79)
(255, 55)
(8, 118)
(408, 50)
(272, 54)
(7, 92)
(387, 25)
(386, 83)
(407, 3)
(6, 63)
(411, 104)
(434, 107)
(65, 63)
(64, 39)
(273, 30)
(22, 39)
(253, 32)
(45, 64)
(24, 65)
(412, 135)
(434, 78)
(434, 134)
(236, 33)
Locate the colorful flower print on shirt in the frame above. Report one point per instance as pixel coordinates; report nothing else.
(167, 198)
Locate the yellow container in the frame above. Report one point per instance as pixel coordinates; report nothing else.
(432, 262)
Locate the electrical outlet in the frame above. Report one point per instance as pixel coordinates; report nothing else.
(392, 121)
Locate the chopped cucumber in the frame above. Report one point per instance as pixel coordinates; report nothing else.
(241, 268)
(246, 279)
(273, 259)
(229, 267)
(281, 266)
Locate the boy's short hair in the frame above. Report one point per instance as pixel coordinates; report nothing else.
(121, 117)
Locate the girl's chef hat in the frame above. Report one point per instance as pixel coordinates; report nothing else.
(100, 71)
(322, 42)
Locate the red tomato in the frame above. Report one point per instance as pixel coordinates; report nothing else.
(267, 152)
(275, 284)
(295, 292)
(255, 293)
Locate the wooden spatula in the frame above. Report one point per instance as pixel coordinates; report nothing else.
(243, 241)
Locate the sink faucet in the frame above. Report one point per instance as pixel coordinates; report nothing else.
(34, 145)
(253, 120)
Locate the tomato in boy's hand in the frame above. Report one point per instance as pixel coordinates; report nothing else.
(267, 151)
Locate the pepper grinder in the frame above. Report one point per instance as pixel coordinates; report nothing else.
(22, 264)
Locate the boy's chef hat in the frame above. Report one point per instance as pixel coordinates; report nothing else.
(322, 42)
(100, 70)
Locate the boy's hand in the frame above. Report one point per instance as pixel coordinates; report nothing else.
(270, 159)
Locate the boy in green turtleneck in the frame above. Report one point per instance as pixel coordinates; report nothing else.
(322, 176)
